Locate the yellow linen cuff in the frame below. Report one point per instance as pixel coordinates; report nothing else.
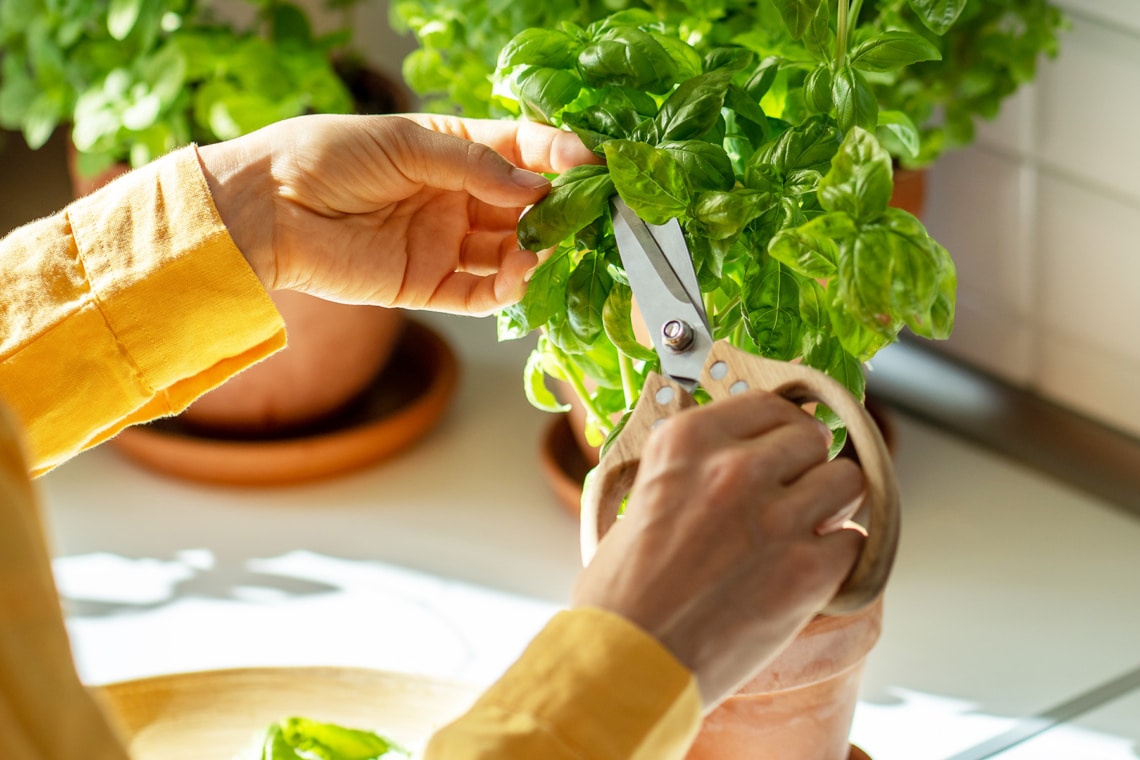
(590, 685)
(144, 304)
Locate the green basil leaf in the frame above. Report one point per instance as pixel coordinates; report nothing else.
(797, 14)
(818, 38)
(893, 273)
(545, 92)
(577, 197)
(860, 180)
(731, 58)
(898, 127)
(848, 370)
(812, 249)
(289, 25)
(534, 383)
(41, 119)
(938, 15)
(544, 298)
(628, 57)
(761, 80)
(924, 277)
(941, 316)
(859, 338)
(748, 117)
(893, 50)
(692, 109)
(687, 61)
(586, 294)
(549, 48)
(772, 302)
(649, 179)
(855, 102)
(628, 17)
(561, 334)
(121, 17)
(817, 89)
(618, 324)
(810, 145)
(723, 215)
(334, 742)
(705, 165)
(276, 747)
(818, 336)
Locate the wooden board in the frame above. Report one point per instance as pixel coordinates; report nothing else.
(215, 715)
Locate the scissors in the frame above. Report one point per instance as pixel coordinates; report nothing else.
(661, 274)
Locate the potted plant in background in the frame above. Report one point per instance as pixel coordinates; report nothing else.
(133, 79)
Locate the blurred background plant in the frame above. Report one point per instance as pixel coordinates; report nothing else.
(133, 79)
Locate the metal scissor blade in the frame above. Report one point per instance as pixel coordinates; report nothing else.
(661, 274)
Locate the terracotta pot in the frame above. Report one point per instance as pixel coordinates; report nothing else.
(801, 706)
(910, 190)
(335, 351)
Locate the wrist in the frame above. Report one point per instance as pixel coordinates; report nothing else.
(243, 197)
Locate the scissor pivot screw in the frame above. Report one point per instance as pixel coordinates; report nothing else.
(677, 335)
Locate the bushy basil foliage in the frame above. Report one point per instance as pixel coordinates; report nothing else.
(765, 148)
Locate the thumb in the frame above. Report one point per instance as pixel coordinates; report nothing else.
(454, 163)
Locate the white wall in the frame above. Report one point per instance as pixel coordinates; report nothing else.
(1042, 216)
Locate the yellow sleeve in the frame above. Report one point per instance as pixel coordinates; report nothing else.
(45, 712)
(125, 306)
(591, 686)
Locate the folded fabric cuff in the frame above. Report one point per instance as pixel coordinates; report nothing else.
(590, 685)
(160, 308)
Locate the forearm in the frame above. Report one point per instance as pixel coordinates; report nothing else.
(123, 307)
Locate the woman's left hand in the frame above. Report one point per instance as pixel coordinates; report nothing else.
(410, 211)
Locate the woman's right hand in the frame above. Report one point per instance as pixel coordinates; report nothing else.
(733, 539)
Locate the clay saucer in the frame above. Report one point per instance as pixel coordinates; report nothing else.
(399, 407)
(218, 714)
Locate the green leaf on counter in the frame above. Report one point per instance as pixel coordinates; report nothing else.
(304, 739)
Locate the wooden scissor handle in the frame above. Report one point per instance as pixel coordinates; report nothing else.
(610, 482)
(729, 370)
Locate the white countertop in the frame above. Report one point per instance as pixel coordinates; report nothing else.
(1012, 594)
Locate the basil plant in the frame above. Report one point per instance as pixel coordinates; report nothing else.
(765, 149)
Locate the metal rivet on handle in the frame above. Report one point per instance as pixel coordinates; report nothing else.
(664, 395)
(738, 387)
(677, 335)
(718, 371)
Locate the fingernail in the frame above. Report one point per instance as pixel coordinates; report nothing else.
(529, 180)
(840, 519)
(828, 433)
